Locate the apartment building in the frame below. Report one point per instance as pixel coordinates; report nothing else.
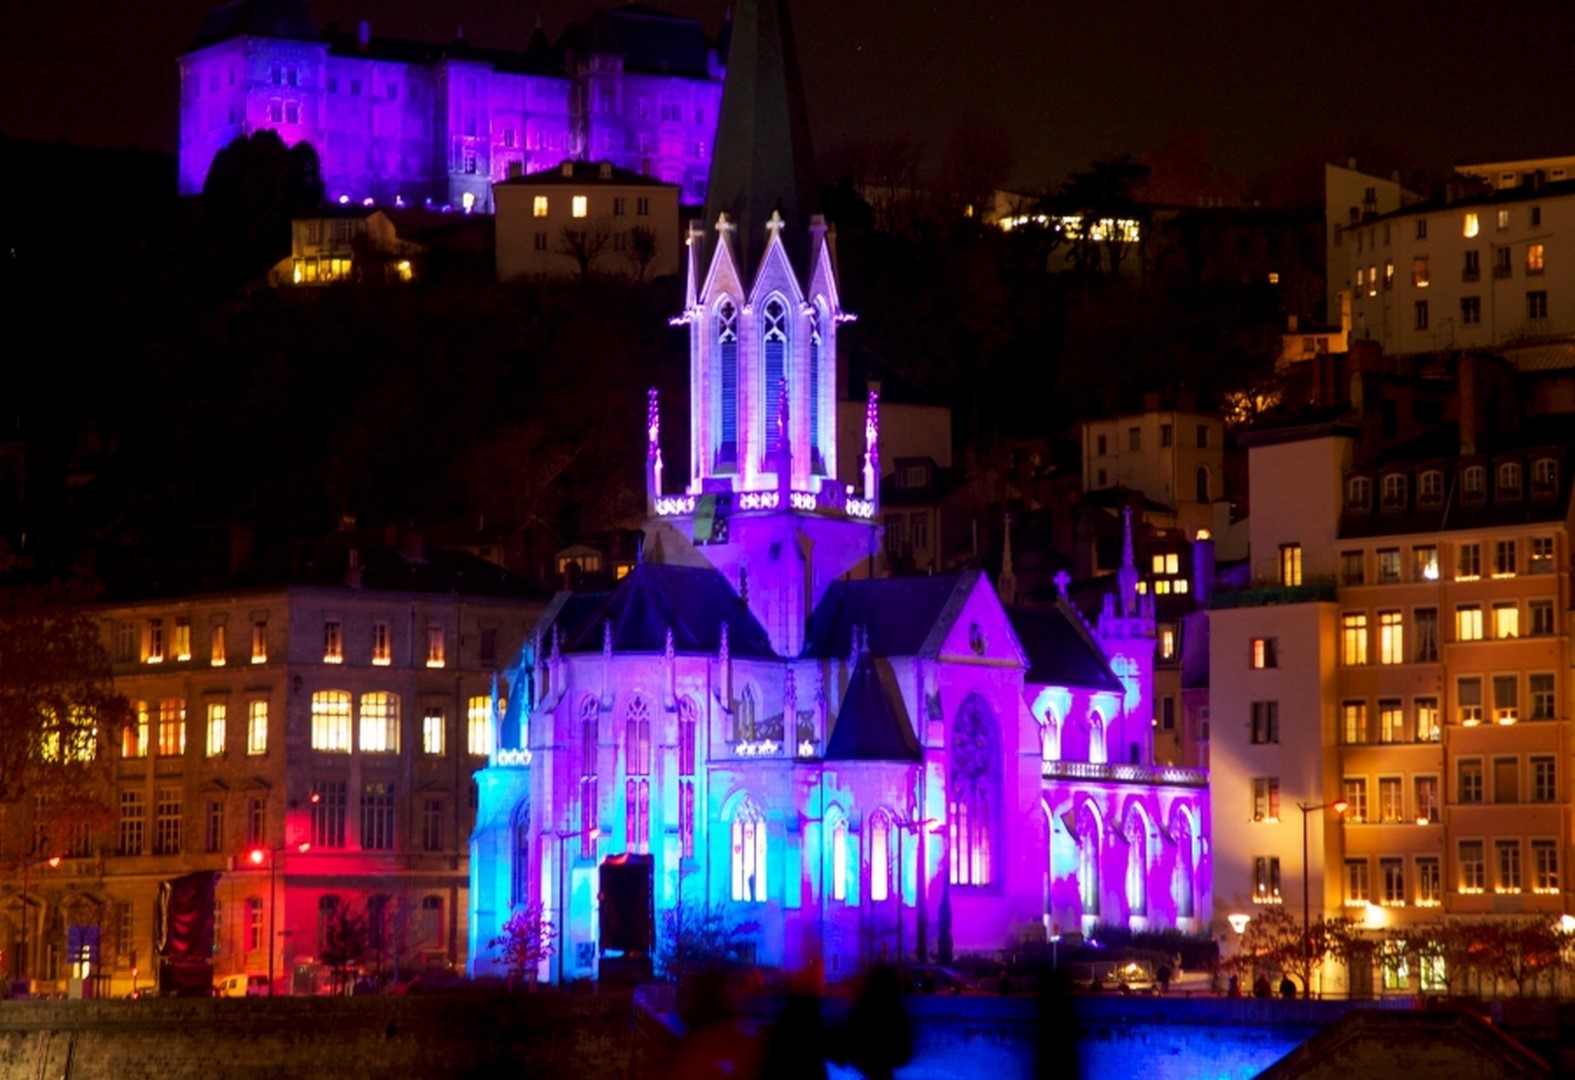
(314, 742)
(1394, 693)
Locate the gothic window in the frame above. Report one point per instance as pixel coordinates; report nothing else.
(817, 459)
(637, 813)
(1088, 861)
(590, 714)
(637, 738)
(974, 785)
(519, 892)
(686, 772)
(727, 356)
(839, 859)
(1098, 753)
(686, 737)
(879, 834)
(774, 337)
(749, 852)
(1050, 738)
(1137, 863)
(1186, 865)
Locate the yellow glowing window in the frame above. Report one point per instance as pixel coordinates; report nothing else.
(172, 727)
(331, 720)
(154, 654)
(1472, 225)
(216, 721)
(578, 207)
(260, 641)
(333, 642)
(1468, 622)
(182, 641)
(539, 206)
(1534, 258)
(1419, 272)
(134, 736)
(257, 727)
(1391, 638)
(216, 646)
(380, 722)
(479, 726)
(435, 645)
(432, 730)
(382, 646)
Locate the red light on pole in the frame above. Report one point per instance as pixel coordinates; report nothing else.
(257, 855)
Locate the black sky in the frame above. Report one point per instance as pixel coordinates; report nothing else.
(1261, 83)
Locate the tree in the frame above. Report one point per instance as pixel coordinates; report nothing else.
(344, 943)
(696, 939)
(1101, 199)
(58, 713)
(643, 249)
(584, 246)
(254, 187)
(526, 942)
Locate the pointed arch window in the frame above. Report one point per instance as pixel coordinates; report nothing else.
(745, 720)
(1137, 865)
(519, 891)
(1098, 752)
(686, 772)
(817, 459)
(590, 724)
(974, 787)
(775, 339)
(1088, 862)
(637, 785)
(839, 859)
(749, 852)
(1186, 866)
(727, 361)
(880, 855)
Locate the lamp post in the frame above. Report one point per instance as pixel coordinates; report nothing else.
(257, 855)
(1338, 806)
(52, 861)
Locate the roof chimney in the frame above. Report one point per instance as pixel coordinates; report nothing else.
(568, 167)
(605, 171)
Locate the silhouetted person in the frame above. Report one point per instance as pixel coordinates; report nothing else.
(1260, 986)
(1163, 975)
(1235, 987)
(1287, 988)
(879, 1036)
(1003, 985)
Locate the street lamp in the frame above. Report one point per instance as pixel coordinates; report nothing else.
(1339, 807)
(51, 861)
(259, 855)
(564, 836)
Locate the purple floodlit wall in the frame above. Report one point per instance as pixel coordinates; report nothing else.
(428, 132)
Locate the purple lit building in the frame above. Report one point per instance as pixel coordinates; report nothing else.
(414, 123)
(756, 719)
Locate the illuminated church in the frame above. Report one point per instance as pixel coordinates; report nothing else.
(754, 719)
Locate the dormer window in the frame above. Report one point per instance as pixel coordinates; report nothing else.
(1394, 492)
(1359, 493)
(1544, 476)
(1473, 483)
(1430, 488)
(1509, 480)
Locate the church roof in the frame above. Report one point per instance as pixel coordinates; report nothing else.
(258, 18)
(694, 602)
(872, 724)
(762, 160)
(648, 40)
(896, 615)
(1060, 652)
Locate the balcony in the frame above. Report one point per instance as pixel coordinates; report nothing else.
(1148, 775)
(1267, 592)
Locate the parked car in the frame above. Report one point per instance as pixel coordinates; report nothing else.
(241, 986)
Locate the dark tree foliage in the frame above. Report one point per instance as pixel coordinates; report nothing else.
(253, 188)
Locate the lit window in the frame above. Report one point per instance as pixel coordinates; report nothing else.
(216, 646)
(257, 728)
(1391, 803)
(1506, 619)
(1419, 272)
(1266, 879)
(1503, 220)
(1265, 652)
(435, 645)
(432, 731)
(154, 653)
(1472, 226)
(1534, 258)
(539, 206)
(260, 641)
(1266, 798)
(216, 718)
(1427, 720)
(382, 645)
(839, 860)
(333, 642)
(172, 727)
(1290, 564)
(331, 721)
(380, 722)
(749, 853)
(1427, 799)
(1353, 638)
(182, 642)
(577, 206)
(880, 856)
(1424, 563)
(1353, 723)
(1468, 622)
(479, 726)
(1391, 638)
(134, 739)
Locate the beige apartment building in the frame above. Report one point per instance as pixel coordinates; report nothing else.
(1405, 652)
(312, 742)
(590, 217)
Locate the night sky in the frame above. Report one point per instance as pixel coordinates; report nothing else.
(1260, 85)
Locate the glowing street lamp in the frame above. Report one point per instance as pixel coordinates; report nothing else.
(51, 861)
(1339, 807)
(257, 856)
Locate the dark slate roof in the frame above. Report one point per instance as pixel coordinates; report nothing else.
(693, 601)
(648, 40)
(872, 724)
(1060, 650)
(537, 59)
(762, 160)
(585, 172)
(260, 18)
(896, 614)
(326, 563)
